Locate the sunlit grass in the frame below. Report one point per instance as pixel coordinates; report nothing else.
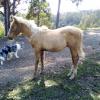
(95, 96)
(14, 94)
(49, 83)
(21, 91)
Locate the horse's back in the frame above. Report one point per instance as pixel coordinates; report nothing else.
(68, 30)
(71, 29)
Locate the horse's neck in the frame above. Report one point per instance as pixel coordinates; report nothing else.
(26, 30)
(29, 28)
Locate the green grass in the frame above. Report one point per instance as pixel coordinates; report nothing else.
(58, 87)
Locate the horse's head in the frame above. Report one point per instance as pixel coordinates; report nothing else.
(15, 28)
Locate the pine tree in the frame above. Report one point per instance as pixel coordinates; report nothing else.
(39, 11)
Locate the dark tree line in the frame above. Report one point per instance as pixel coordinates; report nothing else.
(83, 19)
(40, 7)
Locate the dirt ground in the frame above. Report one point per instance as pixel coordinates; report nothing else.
(18, 70)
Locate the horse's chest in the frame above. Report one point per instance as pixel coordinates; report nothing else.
(33, 41)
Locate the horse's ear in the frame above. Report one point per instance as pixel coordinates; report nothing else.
(13, 18)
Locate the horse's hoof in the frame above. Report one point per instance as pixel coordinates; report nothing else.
(72, 77)
(69, 74)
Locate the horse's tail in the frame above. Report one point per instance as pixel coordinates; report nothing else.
(81, 52)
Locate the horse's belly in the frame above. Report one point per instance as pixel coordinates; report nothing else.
(54, 49)
(54, 45)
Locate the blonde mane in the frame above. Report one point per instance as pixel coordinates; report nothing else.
(32, 25)
(29, 23)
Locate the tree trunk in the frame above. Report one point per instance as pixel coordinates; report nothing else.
(6, 16)
(38, 16)
(38, 19)
(13, 9)
(58, 14)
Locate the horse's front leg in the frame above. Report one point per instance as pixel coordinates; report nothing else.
(37, 57)
(41, 60)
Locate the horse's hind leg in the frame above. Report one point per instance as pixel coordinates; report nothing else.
(75, 58)
(71, 71)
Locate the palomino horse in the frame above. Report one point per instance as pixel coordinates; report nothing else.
(44, 39)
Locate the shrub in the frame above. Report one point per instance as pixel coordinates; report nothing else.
(1, 30)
